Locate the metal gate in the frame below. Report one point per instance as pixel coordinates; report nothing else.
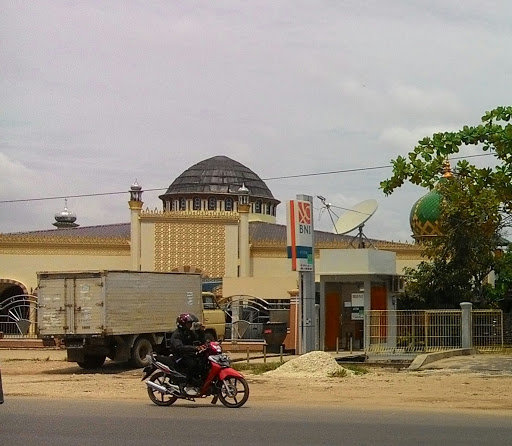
(18, 316)
(410, 332)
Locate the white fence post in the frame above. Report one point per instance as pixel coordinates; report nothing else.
(467, 322)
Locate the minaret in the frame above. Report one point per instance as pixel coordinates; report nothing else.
(135, 204)
(243, 232)
(65, 219)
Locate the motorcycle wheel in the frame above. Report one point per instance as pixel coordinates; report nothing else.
(160, 399)
(233, 392)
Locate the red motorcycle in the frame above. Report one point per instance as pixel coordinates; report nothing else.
(166, 385)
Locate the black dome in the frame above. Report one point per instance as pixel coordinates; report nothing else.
(218, 175)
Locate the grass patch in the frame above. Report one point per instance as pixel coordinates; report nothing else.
(357, 369)
(340, 373)
(257, 368)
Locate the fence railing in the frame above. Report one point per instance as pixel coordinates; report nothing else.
(18, 316)
(420, 331)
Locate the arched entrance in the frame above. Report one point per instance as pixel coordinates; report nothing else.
(18, 310)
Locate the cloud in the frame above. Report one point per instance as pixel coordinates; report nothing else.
(96, 94)
(16, 179)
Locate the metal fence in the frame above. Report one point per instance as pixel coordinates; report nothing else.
(421, 331)
(488, 330)
(18, 316)
(247, 316)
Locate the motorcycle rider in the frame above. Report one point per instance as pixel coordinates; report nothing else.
(186, 342)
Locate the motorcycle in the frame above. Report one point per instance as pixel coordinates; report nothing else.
(165, 385)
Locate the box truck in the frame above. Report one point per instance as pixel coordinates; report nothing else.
(122, 315)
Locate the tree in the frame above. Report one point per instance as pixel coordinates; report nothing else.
(475, 208)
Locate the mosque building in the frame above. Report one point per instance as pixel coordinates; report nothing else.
(217, 218)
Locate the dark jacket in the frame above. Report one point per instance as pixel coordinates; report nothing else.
(186, 341)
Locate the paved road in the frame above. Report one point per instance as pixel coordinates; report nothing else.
(27, 422)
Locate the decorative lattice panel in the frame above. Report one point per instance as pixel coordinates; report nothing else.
(195, 244)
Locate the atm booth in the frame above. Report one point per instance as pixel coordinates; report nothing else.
(352, 281)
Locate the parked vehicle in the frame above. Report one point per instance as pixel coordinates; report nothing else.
(165, 384)
(214, 318)
(123, 315)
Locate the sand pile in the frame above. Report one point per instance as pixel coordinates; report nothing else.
(313, 364)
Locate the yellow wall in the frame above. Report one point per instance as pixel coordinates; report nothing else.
(206, 241)
(147, 256)
(269, 287)
(231, 251)
(401, 264)
(23, 268)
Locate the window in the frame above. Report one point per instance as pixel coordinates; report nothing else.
(183, 204)
(212, 204)
(197, 204)
(228, 204)
(257, 207)
(269, 208)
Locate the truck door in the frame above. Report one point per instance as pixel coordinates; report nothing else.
(85, 304)
(52, 313)
(70, 305)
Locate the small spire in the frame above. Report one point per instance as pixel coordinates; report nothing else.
(242, 189)
(65, 218)
(136, 192)
(447, 169)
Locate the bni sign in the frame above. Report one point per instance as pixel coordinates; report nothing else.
(299, 234)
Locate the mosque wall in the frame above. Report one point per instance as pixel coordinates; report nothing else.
(272, 266)
(269, 287)
(147, 246)
(406, 263)
(231, 251)
(24, 268)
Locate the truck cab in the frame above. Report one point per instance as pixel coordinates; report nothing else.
(214, 318)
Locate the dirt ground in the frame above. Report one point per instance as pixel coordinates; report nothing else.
(442, 389)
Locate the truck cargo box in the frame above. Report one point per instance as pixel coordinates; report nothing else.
(114, 302)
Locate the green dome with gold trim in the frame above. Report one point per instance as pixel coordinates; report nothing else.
(425, 215)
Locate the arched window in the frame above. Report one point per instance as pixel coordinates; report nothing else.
(197, 204)
(269, 208)
(173, 205)
(257, 207)
(228, 204)
(183, 204)
(212, 204)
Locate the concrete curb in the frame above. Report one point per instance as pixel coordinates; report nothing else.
(427, 358)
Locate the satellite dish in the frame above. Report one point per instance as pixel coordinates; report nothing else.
(355, 218)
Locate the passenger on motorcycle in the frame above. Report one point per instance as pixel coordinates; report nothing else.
(186, 342)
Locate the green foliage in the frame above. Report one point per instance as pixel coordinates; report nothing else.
(424, 165)
(476, 206)
(339, 373)
(499, 296)
(357, 369)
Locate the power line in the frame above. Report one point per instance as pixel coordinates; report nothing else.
(284, 177)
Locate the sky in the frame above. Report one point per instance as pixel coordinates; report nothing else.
(96, 95)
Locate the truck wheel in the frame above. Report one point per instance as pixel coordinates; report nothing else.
(92, 361)
(141, 349)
